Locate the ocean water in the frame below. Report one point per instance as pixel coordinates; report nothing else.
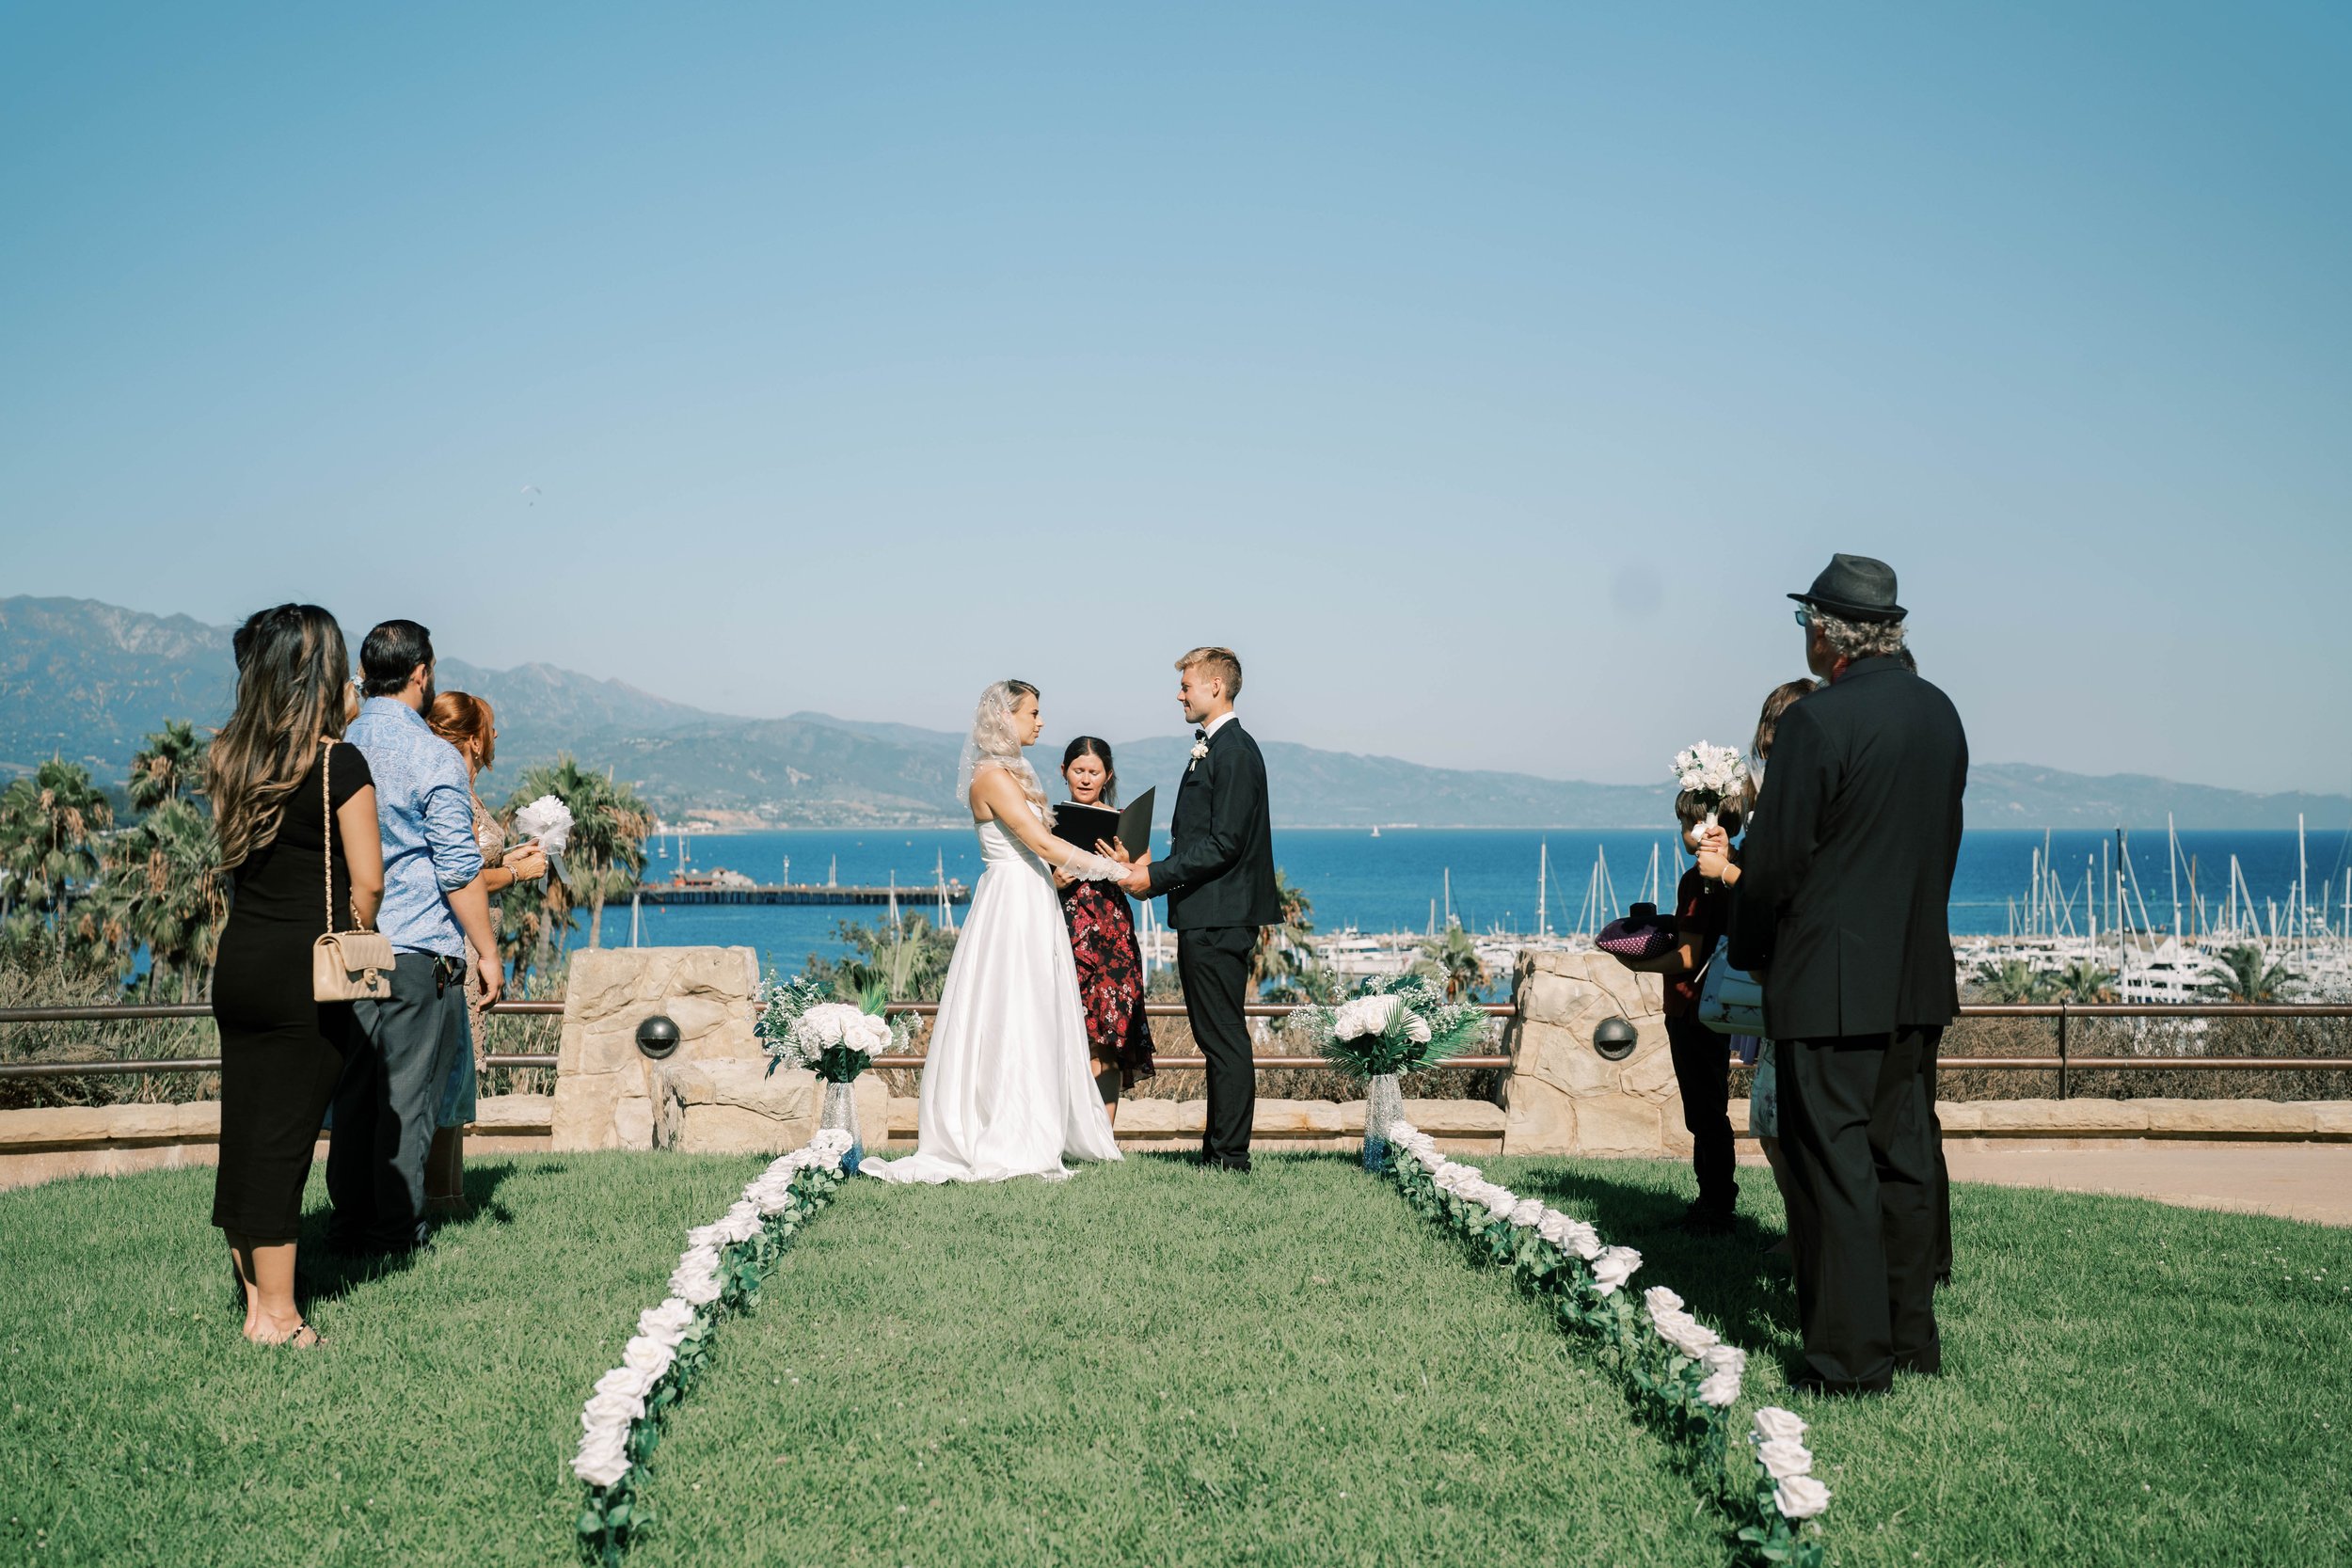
(1399, 880)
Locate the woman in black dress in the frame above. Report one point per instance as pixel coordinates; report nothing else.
(280, 1051)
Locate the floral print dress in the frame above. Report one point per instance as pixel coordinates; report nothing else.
(1110, 979)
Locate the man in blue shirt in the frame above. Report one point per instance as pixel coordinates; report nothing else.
(434, 906)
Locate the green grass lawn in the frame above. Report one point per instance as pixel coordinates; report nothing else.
(1149, 1365)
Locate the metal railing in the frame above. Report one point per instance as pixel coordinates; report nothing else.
(2065, 1062)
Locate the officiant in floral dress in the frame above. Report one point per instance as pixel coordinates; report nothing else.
(1102, 941)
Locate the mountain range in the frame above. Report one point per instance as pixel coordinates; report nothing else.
(87, 681)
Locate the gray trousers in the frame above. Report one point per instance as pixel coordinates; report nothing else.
(388, 1102)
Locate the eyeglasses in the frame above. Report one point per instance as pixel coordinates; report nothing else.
(1805, 615)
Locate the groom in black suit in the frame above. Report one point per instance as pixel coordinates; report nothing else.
(1218, 877)
(1842, 910)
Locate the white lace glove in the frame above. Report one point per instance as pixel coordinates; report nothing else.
(1086, 867)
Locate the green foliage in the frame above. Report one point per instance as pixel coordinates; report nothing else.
(168, 766)
(1452, 960)
(161, 887)
(1423, 1029)
(905, 960)
(604, 859)
(2085, 980)
(2245, 973)
(2011, 980)
(1284, 950)
(50, 823)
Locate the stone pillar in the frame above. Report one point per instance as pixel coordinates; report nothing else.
(1564, 1096)
(606, 1090)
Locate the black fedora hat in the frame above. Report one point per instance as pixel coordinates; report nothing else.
(1854, 588)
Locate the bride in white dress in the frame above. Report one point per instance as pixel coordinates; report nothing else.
(1007, 1089)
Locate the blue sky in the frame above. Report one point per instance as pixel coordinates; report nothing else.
(1484, 373)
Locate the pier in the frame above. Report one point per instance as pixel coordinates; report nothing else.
(912, 897)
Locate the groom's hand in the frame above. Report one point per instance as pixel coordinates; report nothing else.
(1138, 879)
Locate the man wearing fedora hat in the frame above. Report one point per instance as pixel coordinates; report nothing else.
(1841, 907)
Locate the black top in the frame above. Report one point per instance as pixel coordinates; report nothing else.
(282, 885)
(1219, 869)
(1846, 871)
(1701, 909)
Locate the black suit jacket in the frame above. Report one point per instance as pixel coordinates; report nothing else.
(1846, 872)
(1219, 869)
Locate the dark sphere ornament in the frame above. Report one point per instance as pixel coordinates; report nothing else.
(656, 1037)
(1615, 1040)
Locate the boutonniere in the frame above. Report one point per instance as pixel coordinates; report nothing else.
(1199, 753)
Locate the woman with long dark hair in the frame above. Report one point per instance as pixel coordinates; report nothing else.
(295, 811)
(1102, 941)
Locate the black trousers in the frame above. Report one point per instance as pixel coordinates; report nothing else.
(1701, 1060)
(1213, 963)
(1857, 1132)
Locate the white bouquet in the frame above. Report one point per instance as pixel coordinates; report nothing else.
(800, 1025)
(1398, 1024)
(1712, 771)
(548, 820)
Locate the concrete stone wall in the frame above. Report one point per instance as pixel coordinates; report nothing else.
(1564, 1096)
(607, 1091)
(731, 1106)
(117, 1140)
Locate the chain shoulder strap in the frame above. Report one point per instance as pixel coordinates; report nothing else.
(327, 826)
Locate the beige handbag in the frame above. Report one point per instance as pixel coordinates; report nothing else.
(345, 966)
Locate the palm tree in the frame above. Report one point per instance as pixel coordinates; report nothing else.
(49, 828)
(169, 767)
(1282, 948)
(610, 821)
(2086, 981)
(1453, 959)
(160, 888)
(2245, 973)
(2011, 980)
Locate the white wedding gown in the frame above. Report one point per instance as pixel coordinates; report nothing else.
(1007, 1089)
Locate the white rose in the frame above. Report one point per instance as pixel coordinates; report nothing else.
(1417, 1029)
(1658, 1299)
(667, 1322)
(1800, 1498)
(1688, 1335)
(702, 1290)
(1725, 1358)
(603, 1459)
(648, 1355)
(1720, 1389)
(1784, 1457)
(1613, 1267)
(1583, 1239)
(1527, 1211)
(613, 1408)
(1773, 1424)
(628, 1383)
(1500, 1202)
(1552, 1226)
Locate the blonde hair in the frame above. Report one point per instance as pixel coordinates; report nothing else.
(994, 743)
(1223, 663)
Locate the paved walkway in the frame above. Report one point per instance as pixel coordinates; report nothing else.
(2296, 1181)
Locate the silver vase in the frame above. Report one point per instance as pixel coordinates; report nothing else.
(1384, 1107)
(839, 1114)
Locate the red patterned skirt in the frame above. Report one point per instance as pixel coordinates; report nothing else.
(1110, 979)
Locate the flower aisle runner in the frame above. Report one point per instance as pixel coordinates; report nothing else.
(1683, 1377)
(719, 1272)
